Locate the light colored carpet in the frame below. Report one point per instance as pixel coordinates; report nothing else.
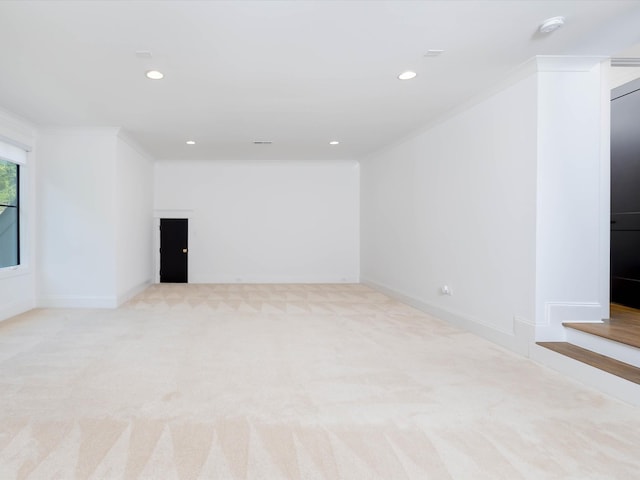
(287, 382)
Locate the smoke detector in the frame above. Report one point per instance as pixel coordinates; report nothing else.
(551, 24)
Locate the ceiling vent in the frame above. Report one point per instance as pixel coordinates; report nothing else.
(625, 62)
(262, 142)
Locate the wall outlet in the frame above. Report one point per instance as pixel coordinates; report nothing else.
(446, 290)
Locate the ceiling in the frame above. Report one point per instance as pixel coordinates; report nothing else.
(298, 73)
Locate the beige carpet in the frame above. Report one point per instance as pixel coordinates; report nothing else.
(287, 382)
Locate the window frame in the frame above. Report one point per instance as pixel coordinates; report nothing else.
(18, 215)
(17, 150)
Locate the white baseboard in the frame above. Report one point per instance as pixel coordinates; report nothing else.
(558, 312)
(521, 342)
(77, 301)
(15, 308)
(603, 346)
(276, 279)
(132, 292)
(518, 340)
(551, 333)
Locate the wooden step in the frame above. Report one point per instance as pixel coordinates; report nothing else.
(620, 312)
(617, 329)
(607, 364)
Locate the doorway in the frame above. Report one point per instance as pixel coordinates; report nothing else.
(625, 194)
(174, 250)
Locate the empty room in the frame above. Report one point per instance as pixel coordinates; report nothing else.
(320, 239)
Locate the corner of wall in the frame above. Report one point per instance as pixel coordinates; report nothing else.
(124, 136)
(16, 307)
(17, 286)
(132, 292)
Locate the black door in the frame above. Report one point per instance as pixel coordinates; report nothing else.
(625, 195)
(173, 250)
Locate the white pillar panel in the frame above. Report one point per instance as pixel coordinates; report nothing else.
(569, 194)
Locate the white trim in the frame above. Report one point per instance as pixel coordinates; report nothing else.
(311, 162)
(250, 278)
(566, 63)
(157, 216)
(551, 333)
(126, 138)
(169, 213)
(517, 340)
(15, 271)
(78, 301)
(604, 193)
(156, 249)
(555, 313)
(84, 131)
(16, 130)
(173, 213)
(604, 346)
(12, 153)
(592, 377)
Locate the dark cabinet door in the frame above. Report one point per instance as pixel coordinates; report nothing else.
(625, 195)
(174, 251)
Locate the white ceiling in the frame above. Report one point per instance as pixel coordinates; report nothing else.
(299, 73)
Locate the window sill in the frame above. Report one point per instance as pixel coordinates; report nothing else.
(9, 272)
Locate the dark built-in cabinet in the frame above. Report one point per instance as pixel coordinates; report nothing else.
(625, 195)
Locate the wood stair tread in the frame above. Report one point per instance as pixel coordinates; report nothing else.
(620, 330)
(620, 312)
(602, 362)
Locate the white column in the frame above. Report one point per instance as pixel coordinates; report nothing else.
(572, 194)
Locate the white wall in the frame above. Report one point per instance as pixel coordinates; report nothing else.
(254, 221)
(455, 205)
(17, 285)
(506, 202)
(77, 217)
(134, 218)
(95, 217)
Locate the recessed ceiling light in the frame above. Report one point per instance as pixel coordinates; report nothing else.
(408, 75)
(191, 142)
(334, 142)
(155, 75)
(551, 24)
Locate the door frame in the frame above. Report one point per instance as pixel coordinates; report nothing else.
(157, 215)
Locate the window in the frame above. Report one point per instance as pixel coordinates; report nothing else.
(9, 214)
